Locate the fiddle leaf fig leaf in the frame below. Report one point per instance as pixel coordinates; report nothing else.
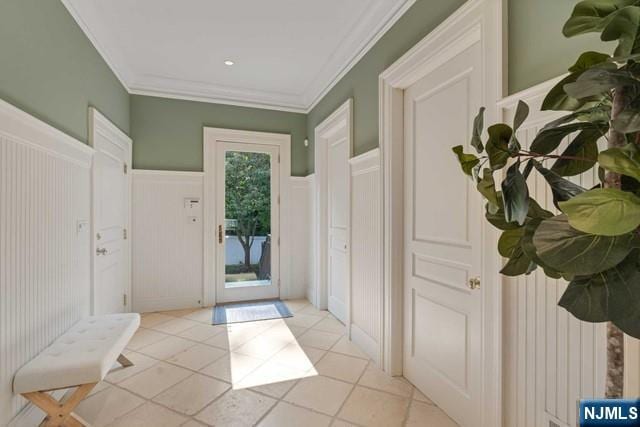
(624, 26)
(548, 139)
(603, 211)
(599, 80)
(630, 325)
(583, 298)
(522, 112)
(515, 195)
(519, 263)
(574, 252)
(530, 250)
(583, 151)
(509, 241)
(625, 160)
(592, 16)
(628, 121)
(467, 161)
(487, 187)
(561, 188)
(498, 145)
(478, 126)
(587, 60)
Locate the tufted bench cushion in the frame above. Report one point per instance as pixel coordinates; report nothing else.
(83, 355)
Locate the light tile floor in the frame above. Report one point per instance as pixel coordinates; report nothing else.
(301, 371)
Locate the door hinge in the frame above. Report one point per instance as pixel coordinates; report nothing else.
(278, 199)
(125, 168)
(124, 233)
(124, 300)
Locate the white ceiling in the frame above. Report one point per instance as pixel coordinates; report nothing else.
(287, 53)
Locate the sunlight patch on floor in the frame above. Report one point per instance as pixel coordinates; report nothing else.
(265, 352)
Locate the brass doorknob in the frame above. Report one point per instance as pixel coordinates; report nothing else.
(474, 283)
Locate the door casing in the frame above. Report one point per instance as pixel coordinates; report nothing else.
(341, 118)
(98, 123)
(476, 20)
(210, 138)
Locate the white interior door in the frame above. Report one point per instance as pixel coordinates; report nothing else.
(236, 164)
(111, 198)
(442, 324)
(338, 223)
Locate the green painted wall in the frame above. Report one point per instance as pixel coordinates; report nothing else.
(51, 70)
(537, 52)
(537, 49)
(167, 133)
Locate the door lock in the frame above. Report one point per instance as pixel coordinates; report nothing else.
(474, 283)
(220, 234)
(101, 251)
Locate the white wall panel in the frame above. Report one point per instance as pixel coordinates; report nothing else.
(366, 252)
(44, 241)
(301, 234)
(550, 358)
(167, 240)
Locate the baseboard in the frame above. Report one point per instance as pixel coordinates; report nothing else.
(367, 344)
(164, 304)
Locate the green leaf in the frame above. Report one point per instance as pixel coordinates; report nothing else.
(509, 241)
(522, 112)
(558, 100)
(498, 145)
(571, 251)
(590, 16)
(599, 80)
(467, 161)
(519, 263)
(548, 139)
(583, 298)
(625, 27)
(603, 211)
(625, 160)
(584, 148)
(530, 250)
(628, 121)
(587, 60)
(478, 126)
(487, 187)
(630, 325)
(515, 195)
(561, 188)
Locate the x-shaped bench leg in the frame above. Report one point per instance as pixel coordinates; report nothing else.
(60, 413)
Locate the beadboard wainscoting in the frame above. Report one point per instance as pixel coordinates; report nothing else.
(366, 253)
(44, 245)
(302, 236)
(167, 240)
(550, 359)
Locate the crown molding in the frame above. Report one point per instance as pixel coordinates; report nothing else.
(174, 88)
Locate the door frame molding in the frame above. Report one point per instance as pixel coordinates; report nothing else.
(340, 118)
(210, 137)
(481, 21)
(99, 123)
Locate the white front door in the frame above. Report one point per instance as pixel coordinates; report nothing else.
(338, 223)
(442, 314)
(111, 188)
(247, 221)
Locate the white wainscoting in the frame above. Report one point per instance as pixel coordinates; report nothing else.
(366, 252)
(312, 263)
(301, 235)
(167, 240)
(550, 359)
(44, 244)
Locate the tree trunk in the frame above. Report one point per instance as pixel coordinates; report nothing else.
(247, 257)
(615, 337)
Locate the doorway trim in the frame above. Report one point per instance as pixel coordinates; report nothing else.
(481, 21)
(99, 123)
(210, 137)
(342, 117)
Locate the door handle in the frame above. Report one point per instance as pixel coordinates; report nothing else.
(474, 283)
(220, 234)
(101, 251)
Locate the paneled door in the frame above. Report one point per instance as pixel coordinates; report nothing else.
(338, 223)
(111, 199)
(442, 259)
(247, 221)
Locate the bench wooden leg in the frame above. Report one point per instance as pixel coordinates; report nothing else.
(124, 361)
(60, 414)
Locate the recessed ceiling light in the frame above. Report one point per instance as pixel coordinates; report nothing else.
(229, 62)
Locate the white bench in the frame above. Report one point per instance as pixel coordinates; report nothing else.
(80, 358)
